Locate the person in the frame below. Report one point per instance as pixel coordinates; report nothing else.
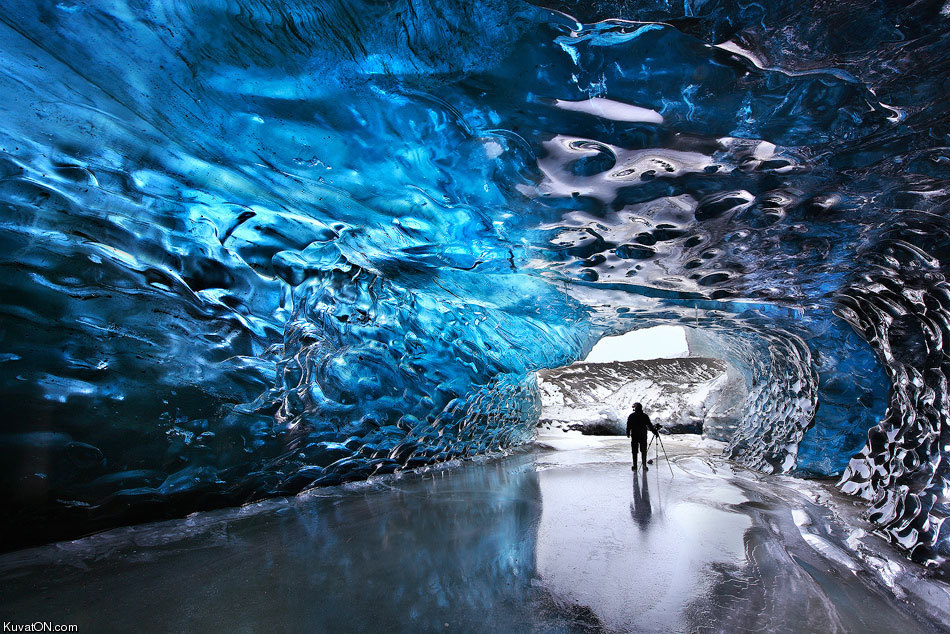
(638, 424)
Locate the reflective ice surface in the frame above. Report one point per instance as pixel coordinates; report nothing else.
(251, 247)
(543, 541)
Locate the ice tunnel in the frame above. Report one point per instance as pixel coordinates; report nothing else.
(252, 247)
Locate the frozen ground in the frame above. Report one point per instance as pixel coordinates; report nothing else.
(561, 537)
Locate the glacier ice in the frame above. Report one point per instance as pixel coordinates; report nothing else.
(596, 398)
(252, 247)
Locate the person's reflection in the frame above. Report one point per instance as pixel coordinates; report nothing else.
(640, 509)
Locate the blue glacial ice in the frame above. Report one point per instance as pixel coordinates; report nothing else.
(252, 247)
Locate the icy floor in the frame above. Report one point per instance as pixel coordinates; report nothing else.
(562, 537)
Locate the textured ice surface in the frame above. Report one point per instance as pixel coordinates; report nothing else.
(250, 247)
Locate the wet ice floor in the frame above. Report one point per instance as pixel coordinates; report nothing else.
(563, 537)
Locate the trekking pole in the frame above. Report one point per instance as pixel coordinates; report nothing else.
(657, 435)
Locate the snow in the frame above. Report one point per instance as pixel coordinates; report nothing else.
(677, 393)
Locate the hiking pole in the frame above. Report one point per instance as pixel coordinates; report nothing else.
(657, 436)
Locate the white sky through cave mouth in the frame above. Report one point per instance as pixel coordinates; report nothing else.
(660, 342)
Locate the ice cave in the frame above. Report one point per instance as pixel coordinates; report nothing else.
(291, 290)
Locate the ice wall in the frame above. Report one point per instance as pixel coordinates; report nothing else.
(250, 247)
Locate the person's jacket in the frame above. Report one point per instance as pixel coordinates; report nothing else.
(638, 424)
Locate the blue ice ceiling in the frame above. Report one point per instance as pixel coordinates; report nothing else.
(254, 247)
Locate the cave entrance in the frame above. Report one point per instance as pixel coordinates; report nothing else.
(679, 385)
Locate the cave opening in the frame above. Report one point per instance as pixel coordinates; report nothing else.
(678, 388)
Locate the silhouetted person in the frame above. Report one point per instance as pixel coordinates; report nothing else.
(640, 509)
(638, 424)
